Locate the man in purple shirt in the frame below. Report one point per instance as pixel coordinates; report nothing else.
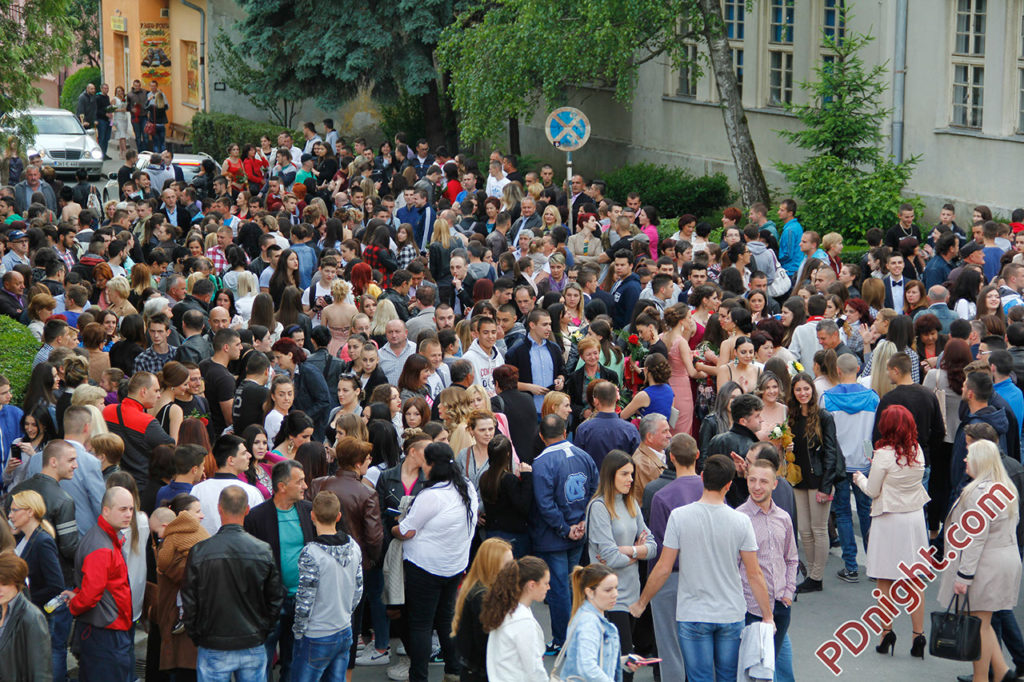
(606, 431)
(776, 547)
(686, 488)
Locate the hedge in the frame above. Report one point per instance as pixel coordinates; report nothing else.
(20, 349)
(673, 190)
(213, 132)
(75, 86)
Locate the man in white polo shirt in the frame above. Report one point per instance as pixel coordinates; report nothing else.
(232, 461)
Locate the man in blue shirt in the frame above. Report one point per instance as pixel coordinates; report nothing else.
(564, 481)
(790, 254)
(941, 264)
(606, 431)
(1000, 363)
(539, 360)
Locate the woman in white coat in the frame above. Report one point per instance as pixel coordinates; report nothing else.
(515, 648)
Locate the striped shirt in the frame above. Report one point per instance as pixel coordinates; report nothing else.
(776, 553)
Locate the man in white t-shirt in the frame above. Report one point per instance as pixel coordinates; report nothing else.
(496, 180)
(232, 461)
(710, 608)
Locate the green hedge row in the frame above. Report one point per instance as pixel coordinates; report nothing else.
(673, 191)
(75, 86)
(20, 349)
(212, 133)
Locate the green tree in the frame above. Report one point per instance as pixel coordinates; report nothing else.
(506, 57)
(848, 183)
(268, 89)
(87, 31)
(328, 51)
(35, 40)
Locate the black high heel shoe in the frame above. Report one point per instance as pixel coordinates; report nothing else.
(917, 648)
(888, 643)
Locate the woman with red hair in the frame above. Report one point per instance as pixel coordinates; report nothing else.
(897, 521)
(362, 281)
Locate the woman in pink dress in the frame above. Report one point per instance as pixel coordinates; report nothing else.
(681, 327)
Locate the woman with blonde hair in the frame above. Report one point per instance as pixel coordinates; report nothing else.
(386, 312)
(88, 394)
(248, 290)
(38, 547)
(878, 380)
(479, 400)
(493, 555)
(549, 219)
(989, 563)
(454, 408)
(337, 315)
(118, 291)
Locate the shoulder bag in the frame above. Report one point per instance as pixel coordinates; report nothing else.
(780, 282)
(956, 634)
(556, 675)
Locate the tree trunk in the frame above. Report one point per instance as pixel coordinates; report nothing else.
(432, 116)
(513, 137)
(753, 187)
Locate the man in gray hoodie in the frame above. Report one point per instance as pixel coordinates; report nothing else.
(330, 588)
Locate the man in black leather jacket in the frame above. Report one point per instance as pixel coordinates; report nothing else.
(746, 421)
(232, 592)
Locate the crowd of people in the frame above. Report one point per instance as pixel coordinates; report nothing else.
(327, 406)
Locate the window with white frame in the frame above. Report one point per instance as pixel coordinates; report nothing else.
(733, 11)
(686, 86)
(1020, 73)
(834, 19)
(780, 52)
(968, 63)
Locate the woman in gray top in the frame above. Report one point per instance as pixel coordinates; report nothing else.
(619, 537)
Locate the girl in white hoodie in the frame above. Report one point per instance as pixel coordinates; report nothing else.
(515, 648)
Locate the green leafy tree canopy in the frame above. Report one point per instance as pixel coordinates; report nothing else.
(35, 40)
(849, 183)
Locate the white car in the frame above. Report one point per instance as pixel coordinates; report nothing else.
(188, 163)
(62, 141)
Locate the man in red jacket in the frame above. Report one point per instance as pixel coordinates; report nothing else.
(103, 601)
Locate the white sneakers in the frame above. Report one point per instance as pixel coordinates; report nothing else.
(399, 671)
(370, 656)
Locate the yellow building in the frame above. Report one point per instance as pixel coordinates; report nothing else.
(159, 40)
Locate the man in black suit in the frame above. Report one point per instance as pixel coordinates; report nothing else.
(12, 300)
(577, 197)
(175, 212)
(461, 296)
(894, 283)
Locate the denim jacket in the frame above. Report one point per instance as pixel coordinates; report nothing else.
(592, 651)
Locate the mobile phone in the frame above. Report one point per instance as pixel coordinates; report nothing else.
(640, 660)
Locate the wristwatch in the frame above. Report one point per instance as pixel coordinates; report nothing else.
(634, 551)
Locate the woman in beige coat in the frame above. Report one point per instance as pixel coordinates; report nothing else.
(897, 519)
(989, 565)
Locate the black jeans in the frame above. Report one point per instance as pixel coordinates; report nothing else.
(430, 600)
(282, 635)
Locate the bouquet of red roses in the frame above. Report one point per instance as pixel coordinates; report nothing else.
(633, 368)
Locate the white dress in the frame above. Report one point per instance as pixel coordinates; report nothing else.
(122, 123)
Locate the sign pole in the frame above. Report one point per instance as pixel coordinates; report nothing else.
(568, 177)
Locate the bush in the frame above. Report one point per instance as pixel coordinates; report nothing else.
(20, 348)
(213, 132)
(673, 191)
(75, 86)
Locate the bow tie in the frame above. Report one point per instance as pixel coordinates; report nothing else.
(898, 284)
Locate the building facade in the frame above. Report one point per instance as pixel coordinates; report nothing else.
(963, 101)
(161, 40)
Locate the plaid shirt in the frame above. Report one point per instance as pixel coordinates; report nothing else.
(406, 255)
(68, 256)
(216, 254)
(151, 361)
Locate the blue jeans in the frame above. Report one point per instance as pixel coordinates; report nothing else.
(217, 665)
(1008, 632)
(140, 134)
(103, 133)
(105, 655)
(559, 598)
(373, 589)
(844, 516)
(784, 662)
(282, 633)
(711, 651)
(322, 658)
(520, 541)
(158, 137)
(781, 614)
(60, 627)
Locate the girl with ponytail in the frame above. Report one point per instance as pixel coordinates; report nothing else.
(515, 648)
(493, 555)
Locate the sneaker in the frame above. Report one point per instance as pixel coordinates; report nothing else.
(848, 576)
(552, 649)
(360, 646)
(809, 585)
(436, 658)
(400, 649)
(179, 628)
(371, 656)
(399, 671)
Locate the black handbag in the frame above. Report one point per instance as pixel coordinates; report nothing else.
(956, 634)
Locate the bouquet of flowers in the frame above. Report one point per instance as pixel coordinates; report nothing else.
(782, 438)
(795, 368)
(633, 368)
